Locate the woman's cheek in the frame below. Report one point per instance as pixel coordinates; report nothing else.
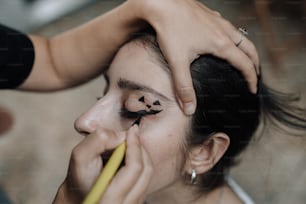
(158, 140)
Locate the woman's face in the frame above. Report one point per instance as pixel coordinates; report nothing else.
(137, 81)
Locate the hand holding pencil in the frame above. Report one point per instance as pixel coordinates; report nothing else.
(127, 186)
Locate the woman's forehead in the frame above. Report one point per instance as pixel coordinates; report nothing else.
(135, 63)
(140, 54)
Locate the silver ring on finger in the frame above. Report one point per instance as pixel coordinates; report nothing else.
(243, 32)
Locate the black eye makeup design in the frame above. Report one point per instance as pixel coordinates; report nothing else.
(139, 114)
(141, 99)
(156, 103)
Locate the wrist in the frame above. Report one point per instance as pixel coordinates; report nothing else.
(143, 9)
(65, 196)
(150, 11)
(134, 19)
(121, 23)
(127, 20)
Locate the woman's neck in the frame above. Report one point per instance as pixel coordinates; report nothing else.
(179, 193)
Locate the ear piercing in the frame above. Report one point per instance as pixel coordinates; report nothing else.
(193, 177)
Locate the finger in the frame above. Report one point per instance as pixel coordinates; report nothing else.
(249, 49)
(179, 65)
(183, 85)
(86, 163)
(138, 193)
(127, 176)
(246, 45)
(242, 62)
(214, 12)
(96, 143)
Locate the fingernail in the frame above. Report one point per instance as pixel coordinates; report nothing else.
(189, 108)
(121, 135)
(135, 128)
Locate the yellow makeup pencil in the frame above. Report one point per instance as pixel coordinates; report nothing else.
(106, 175)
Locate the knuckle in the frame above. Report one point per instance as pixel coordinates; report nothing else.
(137, 167)
(175, 60)
(252, 47)
(76, 156)
(186, 93)
(253, 51)
(228, 25)
(223, 44)
(217, 13)
(150, 169)
(184, 89)
(250, 65)
(249, 72)
(102, 135)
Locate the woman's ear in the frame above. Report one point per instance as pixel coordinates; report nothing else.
(203, 157)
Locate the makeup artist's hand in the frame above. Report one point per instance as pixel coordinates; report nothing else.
(86, 164)
(187, 29)
(128, 186)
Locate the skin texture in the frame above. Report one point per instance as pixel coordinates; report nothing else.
(155, 156)
(6, 120)
(78, 55)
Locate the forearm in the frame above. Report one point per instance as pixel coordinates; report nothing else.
(81, 54)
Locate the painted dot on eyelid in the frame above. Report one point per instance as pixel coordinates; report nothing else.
(157, 103)
(141, 99)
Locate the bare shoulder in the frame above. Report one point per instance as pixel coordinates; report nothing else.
(229, 197)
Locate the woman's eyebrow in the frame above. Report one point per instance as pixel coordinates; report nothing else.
(130, 85)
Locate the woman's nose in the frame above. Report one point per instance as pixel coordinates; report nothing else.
(84, 125)
(100, 115)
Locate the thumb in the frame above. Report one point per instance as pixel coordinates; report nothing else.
(183, 85)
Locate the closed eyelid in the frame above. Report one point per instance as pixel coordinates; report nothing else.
(136, 102)
(130, 85)
(125, 84)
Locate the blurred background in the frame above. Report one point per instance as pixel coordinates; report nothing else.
(37, 130)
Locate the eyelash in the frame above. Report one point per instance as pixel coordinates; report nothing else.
(125, 113)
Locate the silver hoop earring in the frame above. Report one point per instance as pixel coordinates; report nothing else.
(193, 177)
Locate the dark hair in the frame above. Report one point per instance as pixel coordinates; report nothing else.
(225, 104)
